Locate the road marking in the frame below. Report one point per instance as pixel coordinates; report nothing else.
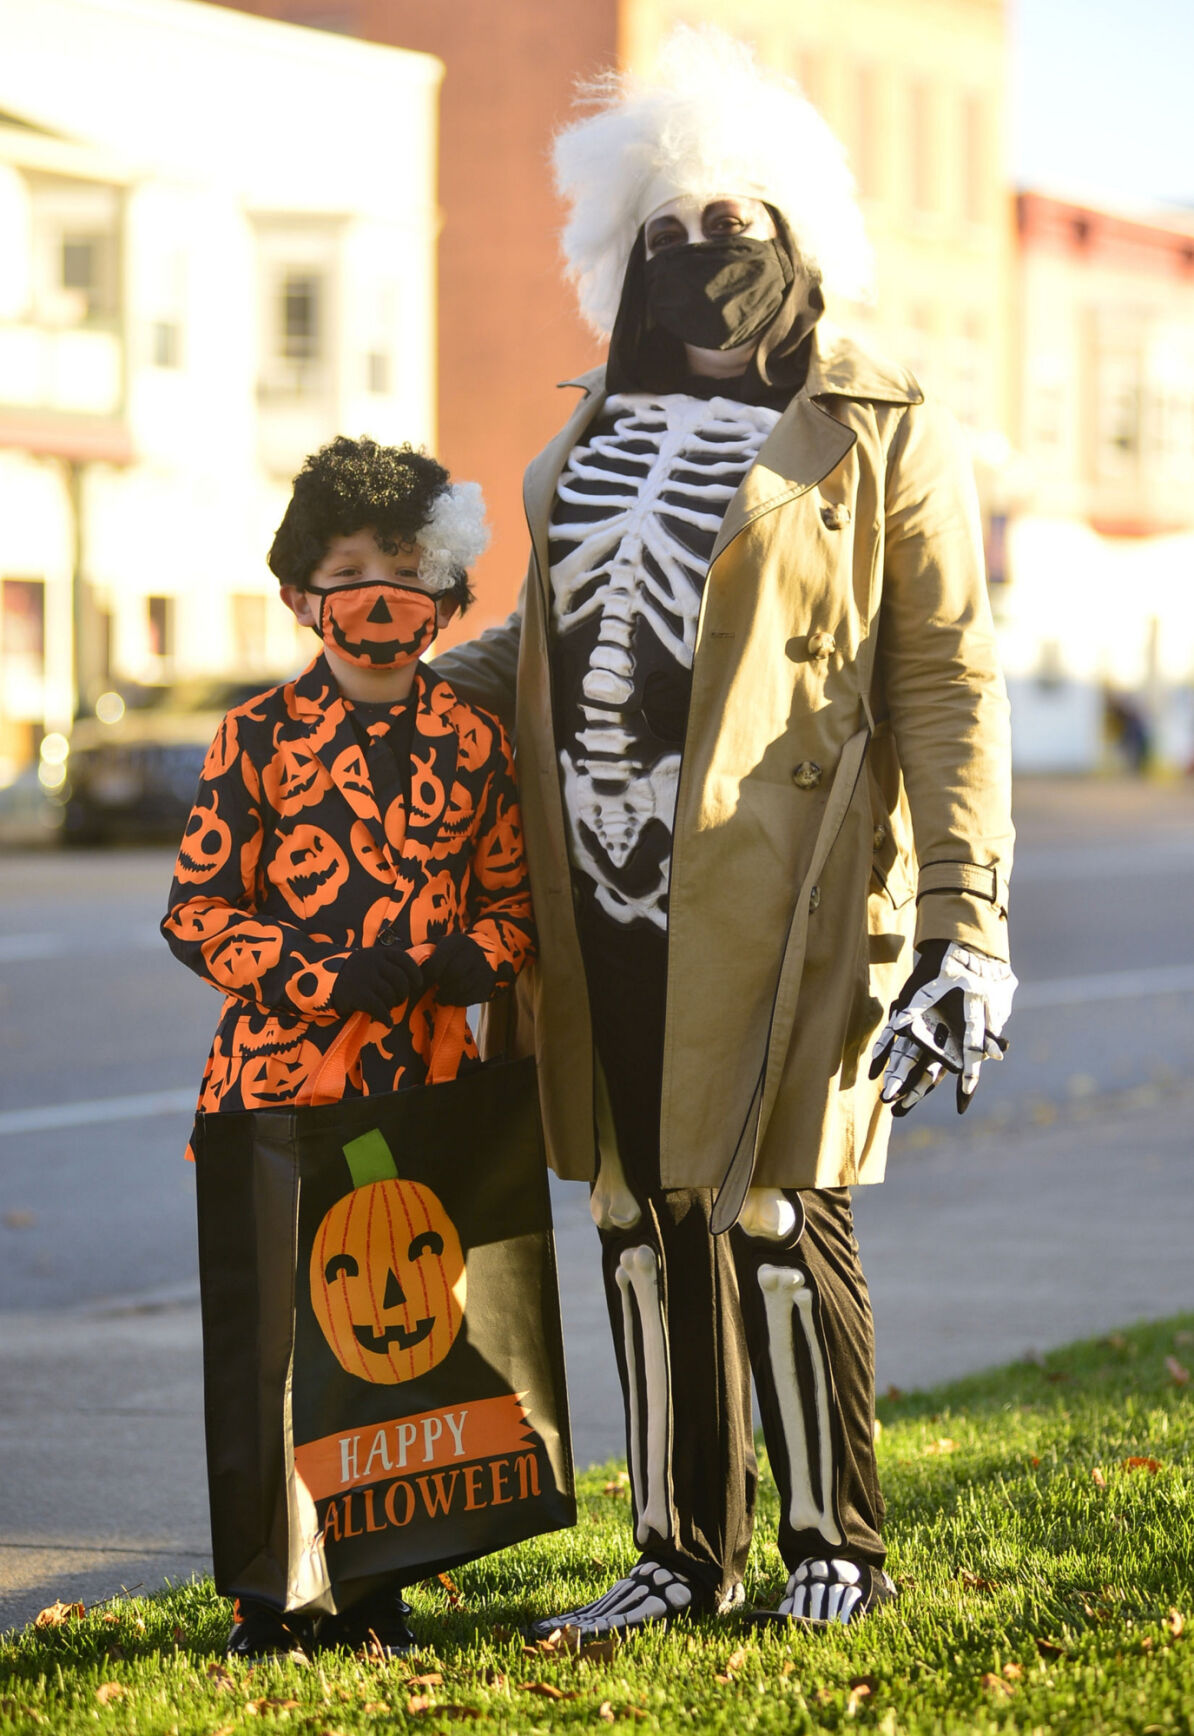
(1116, 985)
(55, 1115)
(1121, 985)
(34, 948)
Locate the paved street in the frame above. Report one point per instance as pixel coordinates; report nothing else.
(1046, 1214)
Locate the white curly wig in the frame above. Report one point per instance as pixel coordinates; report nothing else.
(709, 122)
(455, 536)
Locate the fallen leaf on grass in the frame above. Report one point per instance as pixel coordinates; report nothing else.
(1146, 1643)
(451, 1587)
(220, 1678)
(1177, 1373)
(944, 1445)
(619, 1486)
(893, 1393)
(110, 1620)
(547, 1692)
(996, 1685)
(500, 1633)
(787, 1668)
(1013, 1672)
(376, 1706)
(419, 1703)
(974, 1582)
(1098, 1479)
(109, 1691)
(433, 1679)
(1175, 1622)
(605, 1712)
(493, 1678)
(227, 1729)
(861, 1689)
(599, 1651)
(736, 1659)
(58, 1614)
(1152, 1466)
(1050, 1649)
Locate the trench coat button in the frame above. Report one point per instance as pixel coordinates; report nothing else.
(835, 516)
(814, 898)
(807, 775)
(821, 644)
(879, 837)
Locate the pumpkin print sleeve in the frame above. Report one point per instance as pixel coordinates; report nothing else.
(499, 904)
(212, 923)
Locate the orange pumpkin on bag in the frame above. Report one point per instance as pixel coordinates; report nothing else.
(387, 1274)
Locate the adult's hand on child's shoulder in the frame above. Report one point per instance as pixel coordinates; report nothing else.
(376, 980)
(460, 972)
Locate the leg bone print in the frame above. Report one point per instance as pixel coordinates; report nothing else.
(638, 1276)
(638, 507)
(788, 1303)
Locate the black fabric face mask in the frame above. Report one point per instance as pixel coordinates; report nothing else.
(717, 294)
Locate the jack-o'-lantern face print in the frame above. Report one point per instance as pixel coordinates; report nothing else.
(221, 755)
(293, 778)
(206, 843)
(435, 907)
(368, 851)
(354, 783)
(309, 868)
(388, 1281)
(499, 860)
(271, 1059)
(426, 791)
(377, 624)
(240, 957)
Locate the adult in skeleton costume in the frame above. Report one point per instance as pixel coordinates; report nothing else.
(764, 774)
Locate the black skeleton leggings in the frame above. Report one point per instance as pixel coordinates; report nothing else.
(693, 1315)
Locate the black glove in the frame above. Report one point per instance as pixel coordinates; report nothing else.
(375, 980)
(459, 971)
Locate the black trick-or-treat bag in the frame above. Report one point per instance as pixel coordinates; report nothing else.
(383, 1360)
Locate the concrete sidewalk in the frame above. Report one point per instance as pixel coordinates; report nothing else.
(981, 1247)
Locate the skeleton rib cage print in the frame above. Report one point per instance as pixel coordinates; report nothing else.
(638, 508)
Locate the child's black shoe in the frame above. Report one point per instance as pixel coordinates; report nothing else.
(377, 1626)
(260, 1631)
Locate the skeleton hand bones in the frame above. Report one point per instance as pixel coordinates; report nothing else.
(952, 1022)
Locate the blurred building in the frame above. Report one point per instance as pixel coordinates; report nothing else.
(1098, 616)
(915, 88)
(217, 243)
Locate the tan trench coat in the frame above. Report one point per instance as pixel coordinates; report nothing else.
(845, 784)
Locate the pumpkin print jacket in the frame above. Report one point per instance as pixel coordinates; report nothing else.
(287, 864)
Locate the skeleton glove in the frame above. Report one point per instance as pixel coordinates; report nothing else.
(949, 1018)
(375, 980)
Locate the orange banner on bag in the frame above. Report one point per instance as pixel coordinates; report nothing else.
(480, 1429)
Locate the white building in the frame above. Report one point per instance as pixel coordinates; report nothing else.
(217, 243)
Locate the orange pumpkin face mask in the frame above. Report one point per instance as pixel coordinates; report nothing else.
(377, 624)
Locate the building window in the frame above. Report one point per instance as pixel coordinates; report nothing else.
(160, 623)
(299, 323)
(924, 186)
(76, 234)
(867, 132)
(974, 159)
(248, 629)
(22, 646)
(165, 344)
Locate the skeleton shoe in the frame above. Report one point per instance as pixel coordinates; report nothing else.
(835, 1590)
(649, 1593)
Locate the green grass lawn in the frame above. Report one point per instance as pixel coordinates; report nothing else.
(1041, 1524)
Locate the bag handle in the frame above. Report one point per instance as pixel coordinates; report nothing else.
(449, 1035)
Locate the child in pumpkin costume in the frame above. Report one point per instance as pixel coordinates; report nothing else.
(351, 875)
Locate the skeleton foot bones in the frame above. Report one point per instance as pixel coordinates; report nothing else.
(649, 1593)
(835, 1590)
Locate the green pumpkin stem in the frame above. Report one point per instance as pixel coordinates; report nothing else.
(369, 1158)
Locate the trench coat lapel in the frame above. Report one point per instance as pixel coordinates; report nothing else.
(803, 447)
(543, 472)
